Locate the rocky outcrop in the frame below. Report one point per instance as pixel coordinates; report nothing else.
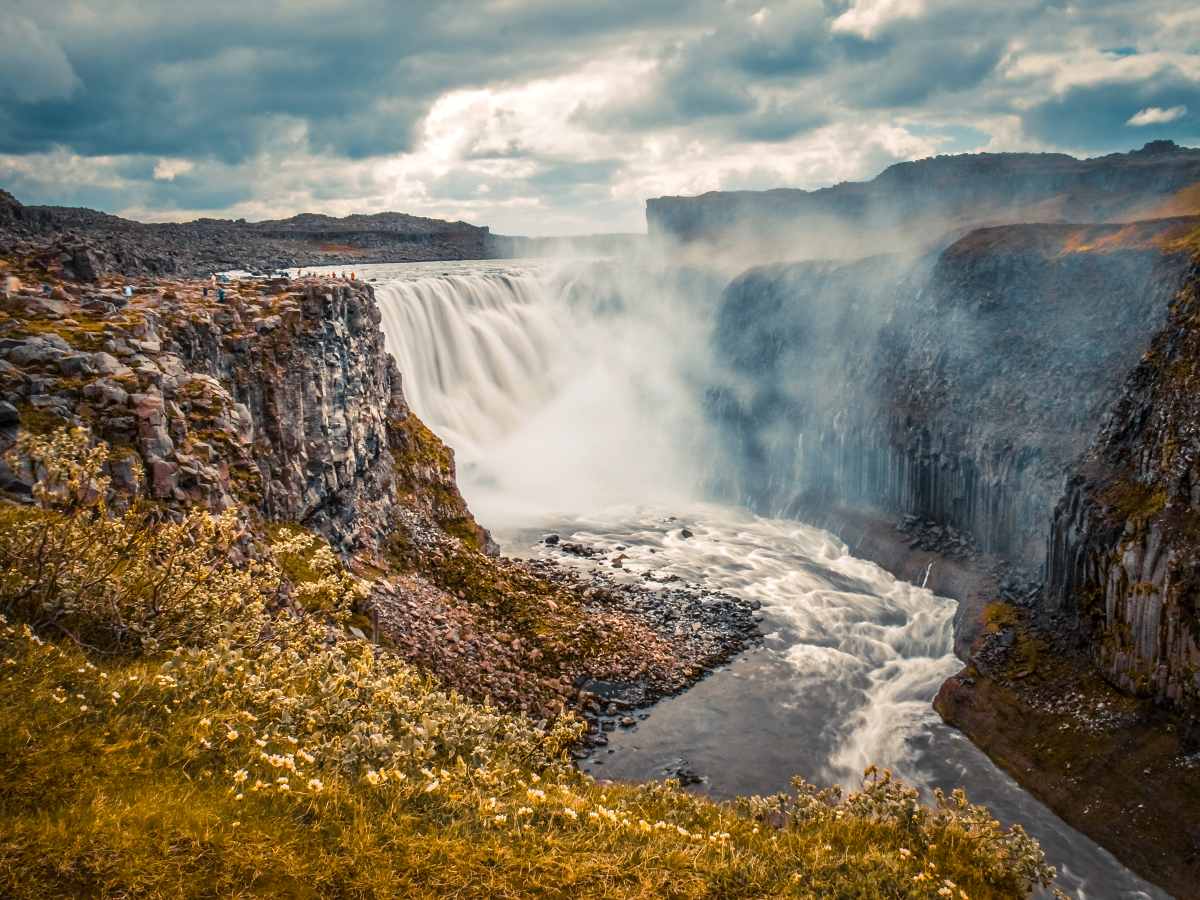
(914, 204)
(1124, 550)
(281, 399)
(11, 212)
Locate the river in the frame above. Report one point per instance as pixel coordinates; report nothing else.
(571, 394)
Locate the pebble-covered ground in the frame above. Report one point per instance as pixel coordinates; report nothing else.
(656, 640)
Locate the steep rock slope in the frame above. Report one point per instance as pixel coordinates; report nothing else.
(1030, 392)
(285, 403)
(959, 387)
(281, 400)
(913, 204)
(1124, 552)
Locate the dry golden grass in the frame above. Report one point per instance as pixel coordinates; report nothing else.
(274, 756)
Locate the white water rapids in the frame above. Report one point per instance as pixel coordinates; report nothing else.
(570, 396)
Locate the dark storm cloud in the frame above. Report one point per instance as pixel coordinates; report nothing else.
(911, 73)
(203, 190)
(285, 104)
(781, 121)
(1096, 116)
(214, 80)
(711, 81)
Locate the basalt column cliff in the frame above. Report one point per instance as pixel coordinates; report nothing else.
(1020, 404)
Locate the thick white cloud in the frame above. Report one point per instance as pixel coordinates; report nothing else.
(167, 169)
(866, 18)
(1156, 115)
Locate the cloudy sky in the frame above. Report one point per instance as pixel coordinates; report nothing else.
(558, 116)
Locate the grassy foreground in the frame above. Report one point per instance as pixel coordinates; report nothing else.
(172, 723)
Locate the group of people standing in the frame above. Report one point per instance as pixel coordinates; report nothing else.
(219, 291)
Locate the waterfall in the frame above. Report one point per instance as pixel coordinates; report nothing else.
(572, 398)
(480, 353)
(556, 395)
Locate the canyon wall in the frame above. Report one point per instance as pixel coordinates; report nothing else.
(1124, 554)
(916, 204)
(282, 400)
(962, 387)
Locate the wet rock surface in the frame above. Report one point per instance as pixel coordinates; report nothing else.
(946, 387)
(926, 534)
(658, 643)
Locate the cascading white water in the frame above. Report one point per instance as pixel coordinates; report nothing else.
(564, 402)
(479, 352)
(575, 413)
(552, 403)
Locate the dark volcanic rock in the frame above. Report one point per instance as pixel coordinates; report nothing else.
(1124, 554)
(962, 390)
(958, 389)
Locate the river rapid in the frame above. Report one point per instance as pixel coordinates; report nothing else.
(572, 393)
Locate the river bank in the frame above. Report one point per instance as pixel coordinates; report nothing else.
(849, 661)
(1124, 771)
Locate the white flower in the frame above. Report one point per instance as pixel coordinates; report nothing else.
(315, 785)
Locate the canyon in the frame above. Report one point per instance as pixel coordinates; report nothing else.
(978, 371)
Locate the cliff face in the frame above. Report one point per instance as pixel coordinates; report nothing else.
(1124, 554)
(282, 400)
(914, 204)
(285, 402)
(962, 388)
